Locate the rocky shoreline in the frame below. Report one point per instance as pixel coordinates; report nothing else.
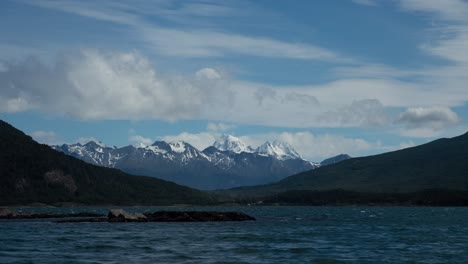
(121, 216)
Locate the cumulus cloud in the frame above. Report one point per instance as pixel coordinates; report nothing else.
(84, 140)
(93, 85)
(317, 147)
(428, 117)
(426, 121)
(310, 146)
(138, 140)
(208, 73)
(198, 140)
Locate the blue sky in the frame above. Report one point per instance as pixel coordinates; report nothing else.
(328, 77)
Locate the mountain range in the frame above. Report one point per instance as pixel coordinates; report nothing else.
(228, 163)
(431, 174)
(34, 173)
(435, 171)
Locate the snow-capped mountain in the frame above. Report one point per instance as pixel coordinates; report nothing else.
(231, 143)
(92, 152)
(280, 150)
(228, 163)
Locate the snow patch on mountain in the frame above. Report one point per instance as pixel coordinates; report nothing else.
(231, 143)
(178, 147)
(278, 149)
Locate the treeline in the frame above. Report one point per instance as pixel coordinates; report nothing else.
(433, 197)
(25, 164)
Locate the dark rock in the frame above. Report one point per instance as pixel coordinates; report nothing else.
(119, 215)
(196, 216)
(6, 213)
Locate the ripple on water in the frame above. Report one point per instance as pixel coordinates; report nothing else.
(280, 235)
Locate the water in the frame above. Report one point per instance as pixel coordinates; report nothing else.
(280, 235)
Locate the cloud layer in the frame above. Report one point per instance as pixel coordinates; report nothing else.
(96, 85)
(93, 85)
(309, 145)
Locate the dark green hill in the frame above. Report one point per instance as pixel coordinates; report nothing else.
(31, 172)
(441, 164)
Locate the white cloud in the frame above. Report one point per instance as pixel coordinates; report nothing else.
(110, 85)
(435, 118)
(84, 140)
(449, 38)
(94, 85)
(208, 73)
(47, 137)
(426, 121)
(310, 146)
(198, 140)
(317, 147)
(138, 140)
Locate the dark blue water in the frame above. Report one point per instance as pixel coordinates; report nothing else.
(280, 235)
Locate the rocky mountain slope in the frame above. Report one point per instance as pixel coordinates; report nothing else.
(437, 168)
(31, 173)
(228, 163)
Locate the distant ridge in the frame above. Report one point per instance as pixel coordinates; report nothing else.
(31, 172)
(439, 165)
(228, 163)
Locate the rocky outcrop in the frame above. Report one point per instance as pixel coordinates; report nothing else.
(119, 215)
(6, 213)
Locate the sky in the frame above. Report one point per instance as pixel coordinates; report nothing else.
(360, 77)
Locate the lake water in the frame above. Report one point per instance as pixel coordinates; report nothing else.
(280, 235)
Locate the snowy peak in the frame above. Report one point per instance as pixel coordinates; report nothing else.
(178, 147)
(280, 150)
(231, 143)
(93, 144)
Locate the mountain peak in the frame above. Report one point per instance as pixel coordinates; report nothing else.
(231, 143)
(178, 146)
(278, 149)
(95, 144)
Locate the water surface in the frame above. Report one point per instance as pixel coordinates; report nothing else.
(280, 235)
